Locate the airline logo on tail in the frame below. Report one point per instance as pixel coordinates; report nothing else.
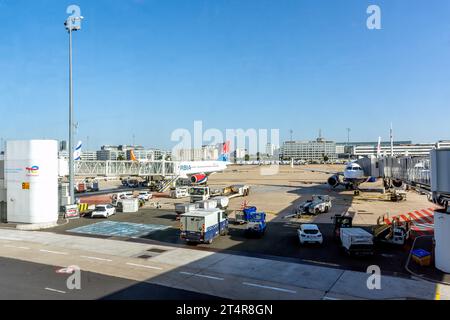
(133, 156)
(225, 152)
(77, 153)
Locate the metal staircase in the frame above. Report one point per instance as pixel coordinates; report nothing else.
(167, 184)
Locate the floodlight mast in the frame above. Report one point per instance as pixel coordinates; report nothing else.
(73, 23)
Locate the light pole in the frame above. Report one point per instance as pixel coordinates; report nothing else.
(348, 142)
(73, 23)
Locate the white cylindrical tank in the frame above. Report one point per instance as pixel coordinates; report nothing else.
(442, 237)
(31, 178)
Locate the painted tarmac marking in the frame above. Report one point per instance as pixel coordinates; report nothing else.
(330, 298)
(95, 258)
(54, 252)
(54, 290)
(143, 266)
(202, 276)
(15, 247)
(267, 287)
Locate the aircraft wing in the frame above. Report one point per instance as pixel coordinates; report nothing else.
(324, 171)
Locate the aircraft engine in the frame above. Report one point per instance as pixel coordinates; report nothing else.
(397, 183)
(199, 178)
(334, 181)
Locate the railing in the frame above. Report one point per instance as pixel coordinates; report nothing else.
(124, 168)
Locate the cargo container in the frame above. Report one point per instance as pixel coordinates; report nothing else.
(356, 241)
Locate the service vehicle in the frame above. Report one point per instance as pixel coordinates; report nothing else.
(340, 222)
(203, 226)
(396, 232)
(103, 211)
(317, 205)
(309, 233)
(81, 187)
(145, 195)
(357, 241)
(179, 193)
(202, 193)
(118, 197)
(256, 224)
(199, 193)
(222, 202)
(133, 184)
(181, 208)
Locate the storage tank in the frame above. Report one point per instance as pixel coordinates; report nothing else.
(442, 237)
(31, 178)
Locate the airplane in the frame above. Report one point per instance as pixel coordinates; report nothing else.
(198, 172)
(352, 177)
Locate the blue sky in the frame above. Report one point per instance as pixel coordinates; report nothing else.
(147, 67)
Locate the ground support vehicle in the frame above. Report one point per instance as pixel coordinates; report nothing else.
(317, 205)
(357, 241)
(203, 226)
(256, 225)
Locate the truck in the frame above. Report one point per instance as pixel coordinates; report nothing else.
(202, 193)
(118, 197)
(396, 232)
(203, 226)
(93, 186)
(357, 241)
(340, 222)
(256, 225)
(179, 192)
(317, 205)
(81, 187)
(181, 208)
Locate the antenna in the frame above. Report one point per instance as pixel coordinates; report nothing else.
(291, 132)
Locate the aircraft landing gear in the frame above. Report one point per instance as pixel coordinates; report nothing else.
(357, 193)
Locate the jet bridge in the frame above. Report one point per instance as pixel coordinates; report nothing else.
(125, 169)
(413, 171)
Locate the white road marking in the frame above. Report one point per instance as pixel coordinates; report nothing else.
(321, 262)
(202, 276)
(267, 287)
(54, 252)
(10, 239)
(95, 258)
(15, 247)
(54, 290)
(143, 266)
(330, 298)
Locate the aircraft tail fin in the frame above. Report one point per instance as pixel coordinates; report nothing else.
(225, 155)
(379, 147)
(133, 156)
(77, 152)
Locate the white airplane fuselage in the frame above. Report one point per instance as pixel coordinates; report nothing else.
(354, 175)
(190, 168)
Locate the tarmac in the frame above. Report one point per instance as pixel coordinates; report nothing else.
(213, 274)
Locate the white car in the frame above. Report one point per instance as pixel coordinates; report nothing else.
(144, 195)
(103, 211)
(309, 233)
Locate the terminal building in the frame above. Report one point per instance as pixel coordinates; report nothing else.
(206, 153)
(400, 148)
(123, 152)
(317, 150)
